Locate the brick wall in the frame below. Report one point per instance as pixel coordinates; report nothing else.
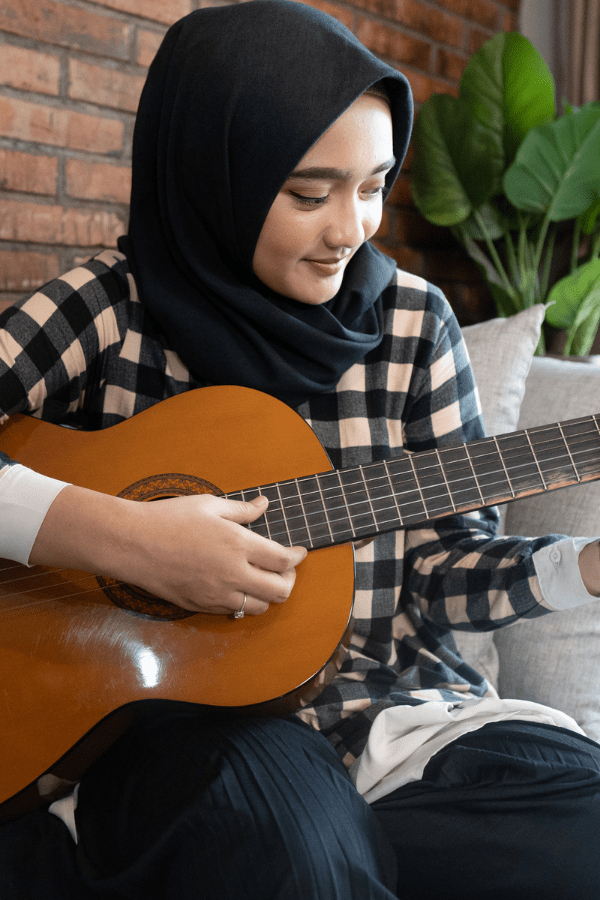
(70, 76)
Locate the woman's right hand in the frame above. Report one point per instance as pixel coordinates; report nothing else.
(192, 550)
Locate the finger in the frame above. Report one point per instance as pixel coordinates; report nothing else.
(274, 557)
(242, 511)
(269, 587)
(252, 607)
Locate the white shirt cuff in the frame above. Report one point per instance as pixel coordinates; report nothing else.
(25, 498)
(557, 568)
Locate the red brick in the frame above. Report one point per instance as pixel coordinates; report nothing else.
(51, 22)
(332, 9)
(423, 87)
(477, 38)
(24, 271)
(471, 303)
(391, 43)
(107, 87)
(51, 224)
(148, 44)
(60, 127)
(407, 258)
(510, 22)
(382, 8)
(29, 70)
(432, 23)
(454, 264)
(384, 227)
(401, 195)
(8, 300)
(27, 172)
(483, 12)
(167, 11)
(413, 230)
(450, 65)
(98, 181)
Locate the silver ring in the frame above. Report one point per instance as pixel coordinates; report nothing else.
(239, 613)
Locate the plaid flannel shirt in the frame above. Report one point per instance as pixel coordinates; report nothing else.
(82, 351)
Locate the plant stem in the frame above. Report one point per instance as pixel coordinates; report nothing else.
(540, 242)
(575, 244)
(508, 287)
(549, 251)
(511, 259)
(595, 248)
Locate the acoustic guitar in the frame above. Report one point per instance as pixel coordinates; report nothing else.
(81, 655)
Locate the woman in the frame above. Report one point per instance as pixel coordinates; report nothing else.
(266, 140)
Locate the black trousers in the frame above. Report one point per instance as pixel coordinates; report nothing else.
(509, 812)
(184, 808)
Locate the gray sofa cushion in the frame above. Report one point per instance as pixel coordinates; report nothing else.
(556, 660)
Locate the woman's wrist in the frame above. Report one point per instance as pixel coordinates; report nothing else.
(589, 566)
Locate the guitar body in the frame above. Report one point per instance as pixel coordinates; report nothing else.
(78, 654)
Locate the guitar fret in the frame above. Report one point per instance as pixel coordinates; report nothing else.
(285, 522)
(340, 521)
(536, 459)
(335, 507)
(343, 495)
(354, 487)
(319, 532)
(490, 468)
(418, 484)
(504, 466)
(406, 489)
(295, 517)
(474, 473)
(445, 480)
(369, 501)
(393, 493)
(297, 486)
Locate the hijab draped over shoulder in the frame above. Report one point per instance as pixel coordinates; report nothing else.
(233, 100)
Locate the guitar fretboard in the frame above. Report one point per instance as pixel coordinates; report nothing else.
(362, 501)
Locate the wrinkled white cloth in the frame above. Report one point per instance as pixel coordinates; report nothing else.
(403, 739)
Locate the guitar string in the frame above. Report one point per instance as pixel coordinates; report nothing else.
(375, 524)
(404, 467)
(293, 505)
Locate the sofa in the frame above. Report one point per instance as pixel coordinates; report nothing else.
(554, 659)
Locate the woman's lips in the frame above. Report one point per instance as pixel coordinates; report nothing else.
(327, 267)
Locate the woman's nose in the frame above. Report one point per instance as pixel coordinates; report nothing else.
(346, 227)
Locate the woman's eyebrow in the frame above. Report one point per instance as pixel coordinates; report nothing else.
(325, 173)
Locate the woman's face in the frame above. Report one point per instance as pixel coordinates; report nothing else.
(329, 205)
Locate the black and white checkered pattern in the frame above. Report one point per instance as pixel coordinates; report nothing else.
(82, 351)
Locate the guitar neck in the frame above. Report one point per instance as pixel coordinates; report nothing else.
(360, 502)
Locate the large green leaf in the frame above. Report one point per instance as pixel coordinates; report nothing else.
(570, 293)
(588, 219)
(509, 89)
(451, 174)
(557, 168)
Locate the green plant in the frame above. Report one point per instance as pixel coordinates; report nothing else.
(518, 186)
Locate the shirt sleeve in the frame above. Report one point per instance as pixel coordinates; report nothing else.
(51, 343)
(557, 569)
(458, 571)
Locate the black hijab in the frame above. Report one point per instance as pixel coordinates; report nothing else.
(233, 100)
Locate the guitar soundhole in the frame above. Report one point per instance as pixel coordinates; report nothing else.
(155, 487)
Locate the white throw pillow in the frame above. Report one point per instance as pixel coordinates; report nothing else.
(501, 351)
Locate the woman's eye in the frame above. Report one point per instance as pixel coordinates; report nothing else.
(308, 201)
